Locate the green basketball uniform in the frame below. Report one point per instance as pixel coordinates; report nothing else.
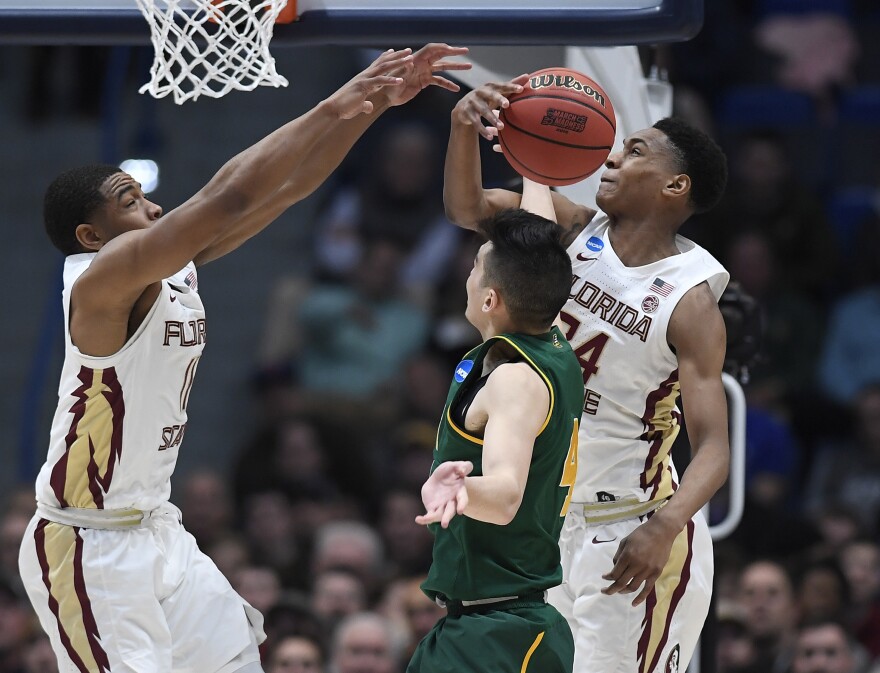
(476, 561)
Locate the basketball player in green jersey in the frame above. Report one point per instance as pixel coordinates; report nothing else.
(505, 460)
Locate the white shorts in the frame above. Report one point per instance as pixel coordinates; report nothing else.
(612, 636)
(140, 600)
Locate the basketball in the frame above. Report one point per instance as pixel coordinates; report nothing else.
(559, 129)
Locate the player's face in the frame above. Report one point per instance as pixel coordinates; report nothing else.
(476, 289)
(125, 207)
(635, 176)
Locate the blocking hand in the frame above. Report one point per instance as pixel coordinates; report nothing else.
(424, 64)
(483, 103)
(353, 97)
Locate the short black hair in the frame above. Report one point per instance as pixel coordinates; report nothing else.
(72, 199)
(528, 265)
(700, 158)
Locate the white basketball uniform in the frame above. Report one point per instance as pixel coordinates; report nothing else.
(616, 319)
(117, 582)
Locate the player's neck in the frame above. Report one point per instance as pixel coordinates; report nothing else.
(641, 242)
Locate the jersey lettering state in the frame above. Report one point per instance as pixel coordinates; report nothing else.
(120, 419)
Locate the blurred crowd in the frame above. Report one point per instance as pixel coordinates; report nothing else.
(314, 525)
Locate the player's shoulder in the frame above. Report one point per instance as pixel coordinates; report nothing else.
(574, 218)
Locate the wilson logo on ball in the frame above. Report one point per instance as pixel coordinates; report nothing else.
(559, 130)
(566, 82)
(566, 121)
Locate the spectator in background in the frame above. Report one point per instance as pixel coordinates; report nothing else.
(860, 560)
(765, 196)
(336, 594)
(398, 199)
(206, 506)
(734, 649)
(287, 456)
(354, 546)
(822, 591)
(451, 333)
(38, 656)
(356, 334)
(816, 51)
(258, 585)
(17, 625)
(296, 654)
(849, 473)
(292, 616)
(364, 643)
(767, 594)
(230, 553)
(838, 525)
(419, 613)
(13, 524)
(825, 646)
(408, 545)
(792, 327)
(268, 529)
(850, 359)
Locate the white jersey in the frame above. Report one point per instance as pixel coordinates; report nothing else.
(121, 418)
(616, 319)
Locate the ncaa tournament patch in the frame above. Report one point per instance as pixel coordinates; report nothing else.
(595, 243)
(462, 369)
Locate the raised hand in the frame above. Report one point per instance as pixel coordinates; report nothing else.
(444, 493)
(425, 63)
(483, 103)
(386, 72)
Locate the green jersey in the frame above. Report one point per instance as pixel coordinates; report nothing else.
(474, 559)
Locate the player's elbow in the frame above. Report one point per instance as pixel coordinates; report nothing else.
(457, 214)
(508, 506)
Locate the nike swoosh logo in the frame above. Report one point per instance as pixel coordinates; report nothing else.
(173, 298)
(581, 257)
(596, 540)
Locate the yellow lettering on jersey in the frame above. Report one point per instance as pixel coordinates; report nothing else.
(570, 468)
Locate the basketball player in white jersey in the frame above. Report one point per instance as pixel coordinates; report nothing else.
(117, 582)
(642, 317)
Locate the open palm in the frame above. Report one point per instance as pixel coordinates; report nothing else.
(444, 493)
(421, 73)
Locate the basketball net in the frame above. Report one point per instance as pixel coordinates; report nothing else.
(220, 46)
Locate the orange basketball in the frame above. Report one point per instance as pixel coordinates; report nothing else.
(559, 129)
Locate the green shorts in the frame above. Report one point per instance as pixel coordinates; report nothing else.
(525, 638)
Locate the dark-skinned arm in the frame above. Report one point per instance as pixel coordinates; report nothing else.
(465, 199)
(696, 331)
(334, 144)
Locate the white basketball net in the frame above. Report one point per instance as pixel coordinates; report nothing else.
(220, 46)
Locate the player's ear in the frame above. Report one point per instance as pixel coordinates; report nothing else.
(89, 237)
(491, 301)
(679, 184)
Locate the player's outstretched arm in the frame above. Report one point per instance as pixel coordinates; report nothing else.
(418, 72)
(696, 331)
(247, 189)
(474, 115)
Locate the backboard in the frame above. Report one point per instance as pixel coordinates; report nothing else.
(383, 22)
